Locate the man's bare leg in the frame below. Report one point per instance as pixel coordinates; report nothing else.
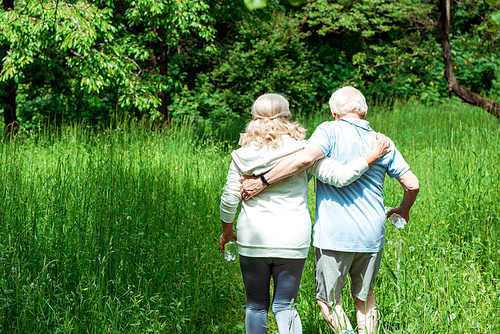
(335, 318)
(366, 314)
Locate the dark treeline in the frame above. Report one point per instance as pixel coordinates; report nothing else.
(207, 60)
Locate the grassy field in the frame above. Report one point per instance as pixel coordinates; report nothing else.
(116, 231)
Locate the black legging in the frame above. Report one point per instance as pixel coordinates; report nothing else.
(286, 275)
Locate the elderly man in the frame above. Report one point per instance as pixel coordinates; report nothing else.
(350, 221)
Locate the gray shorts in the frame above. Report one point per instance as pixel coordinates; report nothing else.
(332, 268)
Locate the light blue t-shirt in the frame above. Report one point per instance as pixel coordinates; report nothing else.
(352, 218)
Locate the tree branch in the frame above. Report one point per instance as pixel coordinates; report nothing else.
(449, 73)
(227, 54)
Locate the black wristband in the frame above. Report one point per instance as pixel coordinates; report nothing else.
(263, 179)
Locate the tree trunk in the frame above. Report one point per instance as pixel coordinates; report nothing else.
(162, 63)
(163, 107)
(10, 107)
(158, 61)
(449, 73)
(9, 98)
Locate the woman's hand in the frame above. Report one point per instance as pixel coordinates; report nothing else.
(225, 238)
(380, 144)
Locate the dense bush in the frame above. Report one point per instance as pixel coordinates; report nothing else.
(265, 55)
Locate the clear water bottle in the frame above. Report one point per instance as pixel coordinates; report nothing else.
(395, 219)
(230, 250)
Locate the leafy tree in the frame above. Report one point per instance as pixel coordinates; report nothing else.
(83, 53)
(162, 27)
(64, 46)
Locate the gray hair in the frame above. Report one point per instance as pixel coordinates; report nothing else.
(270, 122)
(270, 106)
(348, 99)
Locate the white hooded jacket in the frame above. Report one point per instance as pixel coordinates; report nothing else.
(276, 222)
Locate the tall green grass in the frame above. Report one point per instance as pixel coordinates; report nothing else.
(116, 230)
(111, 231)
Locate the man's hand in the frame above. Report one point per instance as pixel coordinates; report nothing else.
(250, 186)
(410, 185)
(400, 211)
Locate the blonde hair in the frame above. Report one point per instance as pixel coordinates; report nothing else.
(270, 122)
(348, 99)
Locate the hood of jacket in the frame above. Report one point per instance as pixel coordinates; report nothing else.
(255, 160)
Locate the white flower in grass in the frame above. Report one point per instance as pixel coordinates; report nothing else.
(14, 270)
(419, 298)
(452, 316)
(129, 218)
(194, 204)
(411, 248)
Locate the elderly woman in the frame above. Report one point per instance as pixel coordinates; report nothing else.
(274, 227)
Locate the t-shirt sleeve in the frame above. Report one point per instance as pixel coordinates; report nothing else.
(397, 165)
(322, 138)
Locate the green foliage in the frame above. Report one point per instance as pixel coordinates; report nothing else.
(388, 30)
(255, 4)
(267, 55)
(476, 68)
(91, 53)
(69, 51)
(38, 31)
(493, 23)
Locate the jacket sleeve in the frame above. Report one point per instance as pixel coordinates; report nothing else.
(231, 196)
(330, 171)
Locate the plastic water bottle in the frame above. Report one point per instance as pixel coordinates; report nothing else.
(395, 219)
(230, 250)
